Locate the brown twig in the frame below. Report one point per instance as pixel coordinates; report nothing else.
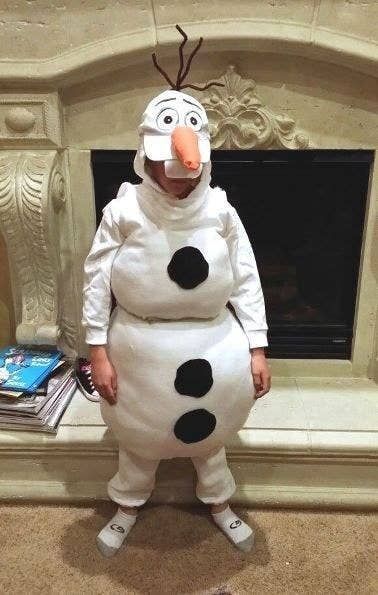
(181, 54)
(202, 88)
(187, 67)
(154, 59)
(181, 76)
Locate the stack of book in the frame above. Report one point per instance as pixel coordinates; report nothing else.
(36, 386)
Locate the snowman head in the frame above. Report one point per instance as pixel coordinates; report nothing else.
(175, 129)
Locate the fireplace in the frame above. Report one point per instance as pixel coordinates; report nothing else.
(304, 212)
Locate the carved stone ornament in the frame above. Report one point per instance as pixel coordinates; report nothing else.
(239, 120)
(31, 193)
(30, 120)
(20, 119)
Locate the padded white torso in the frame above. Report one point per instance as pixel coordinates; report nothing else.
(141, 283)
(184, 381)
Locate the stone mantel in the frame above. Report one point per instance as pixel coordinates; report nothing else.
(73, 81)
(62, 44)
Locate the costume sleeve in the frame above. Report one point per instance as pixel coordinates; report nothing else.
(97, 270)
(247, 297)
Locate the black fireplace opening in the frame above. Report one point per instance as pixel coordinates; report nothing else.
(304, 213)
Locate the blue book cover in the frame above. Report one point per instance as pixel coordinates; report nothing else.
(24, 368)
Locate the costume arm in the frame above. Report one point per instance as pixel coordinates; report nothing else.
(247, 297)
(97, 271)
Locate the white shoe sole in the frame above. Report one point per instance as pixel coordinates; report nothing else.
(93, 398)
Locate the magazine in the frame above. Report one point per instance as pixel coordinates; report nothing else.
(49, 422)
(24, 369)
(36, 404)
(42, 390)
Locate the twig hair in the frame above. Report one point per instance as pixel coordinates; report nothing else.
(183, 69)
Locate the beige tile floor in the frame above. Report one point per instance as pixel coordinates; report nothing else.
(338, 404)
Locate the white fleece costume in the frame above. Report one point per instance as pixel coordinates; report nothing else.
(182, 358)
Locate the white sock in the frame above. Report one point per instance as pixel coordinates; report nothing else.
(112, 536)
(236, 530)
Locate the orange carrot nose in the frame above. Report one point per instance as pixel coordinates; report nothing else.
(185, 145)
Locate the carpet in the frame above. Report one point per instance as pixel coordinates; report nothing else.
(174, 549)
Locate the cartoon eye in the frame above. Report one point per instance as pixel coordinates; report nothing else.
(167, 119)
(193, 120)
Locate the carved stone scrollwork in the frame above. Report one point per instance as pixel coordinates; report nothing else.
(31, 190)
(58, 195)
(239, 120)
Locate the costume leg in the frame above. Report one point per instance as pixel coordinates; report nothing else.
(134, 481)
(215, 482)
(215, 486)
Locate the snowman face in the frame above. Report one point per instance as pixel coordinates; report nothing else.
(166, 115)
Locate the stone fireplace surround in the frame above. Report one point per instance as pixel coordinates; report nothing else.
(294, 79)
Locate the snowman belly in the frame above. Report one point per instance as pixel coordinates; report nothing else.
(184, 386)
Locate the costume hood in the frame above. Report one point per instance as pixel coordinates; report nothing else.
(174, 129)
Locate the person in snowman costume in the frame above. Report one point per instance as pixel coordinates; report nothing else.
(176, 368)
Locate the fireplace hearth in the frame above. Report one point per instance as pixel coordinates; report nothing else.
(304, 212)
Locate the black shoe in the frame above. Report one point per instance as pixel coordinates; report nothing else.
(84, 379)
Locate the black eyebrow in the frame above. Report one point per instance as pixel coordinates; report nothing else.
(169, 99)
(195, 105)
(173, 99)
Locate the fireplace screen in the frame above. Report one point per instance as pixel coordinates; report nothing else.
(304, 213)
